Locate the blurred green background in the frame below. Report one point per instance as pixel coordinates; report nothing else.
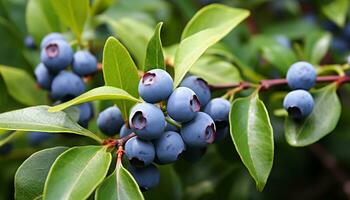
(276, 34)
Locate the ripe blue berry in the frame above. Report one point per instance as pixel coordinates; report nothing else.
(147, 177)
(301, 75)
(168, 147)
(66, 85)
(193, 154)
(298, 103)
(48, 38)
(29, 42)
(155, 85)
(139, 152)
(183, 104)
(147, 121)
(124, 131)
(86, 113)
(218, 109)
(43, 76)
(110, 121)
(200, 131)
(57, 55)
(37, 138)
(200, 87)
(84, 63)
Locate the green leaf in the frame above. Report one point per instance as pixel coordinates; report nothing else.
(154, 55)
(31, 175)
(279, 56)
(169, 187)
(38, 118)
(316, 46)
(100, 6)
(40, 19)
(73, 13)
(215, 70)
(28, 94)
(319, 123)
(135, 35)
(207, 27)
(77, 172)
(119, 71)
(252, 135)
(100, 93)
(336, 11)
(119, 185)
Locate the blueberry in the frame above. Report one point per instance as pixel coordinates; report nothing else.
(301, 75)
(37, 138)
(183, 104)
(139, 152)
(147, 121)
(218, 109)
(283, 40)
(124, 131)
(339, 45)
(298, 103)
(193, 154)
(48, 38)
(200, 131)
(29, 42)
(43, 76)
(57, 55)
(84, 63)
(199, 86)
(168, 147)
(155, 85)
(6, 148)
(110, 121)
(221, 133)
(66, 85)
(86, 113)
(147, 177)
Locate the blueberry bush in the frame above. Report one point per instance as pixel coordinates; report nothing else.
(166, 99)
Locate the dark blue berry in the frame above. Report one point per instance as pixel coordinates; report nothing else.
(139, 152)
(48, 38)
(147, 177)
(125, 131)
(86, 113)
(147, 121)
(84, 63)
(57, 55)
(183, 104)
(168, 147)
(218, 109)
(37, 138)
(6, 149)
(299, 104)
(155, 85)
(200, 87)
(110, 121)
(29, 42)
(67, 85)
(200, 131)
(301, 75)
(43, 76)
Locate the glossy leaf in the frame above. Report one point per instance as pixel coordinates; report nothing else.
(154, 55)
(31, 175)
(135, 35)
(73, 13)
(100, 6)
(321, 122)
(336, 10)
(40, 19)
(120, 71)
(252, 134)
(100, 93)
(316, 46)
(38, 118)
(207, 27)
(77, 172)
(215, 70)
(119, 185)
(28, 94)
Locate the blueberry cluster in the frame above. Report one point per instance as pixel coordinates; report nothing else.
(299, 103)
(52, 73)
(168, 124)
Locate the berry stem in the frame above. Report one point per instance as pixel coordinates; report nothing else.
(170, 121)
(267, 84)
